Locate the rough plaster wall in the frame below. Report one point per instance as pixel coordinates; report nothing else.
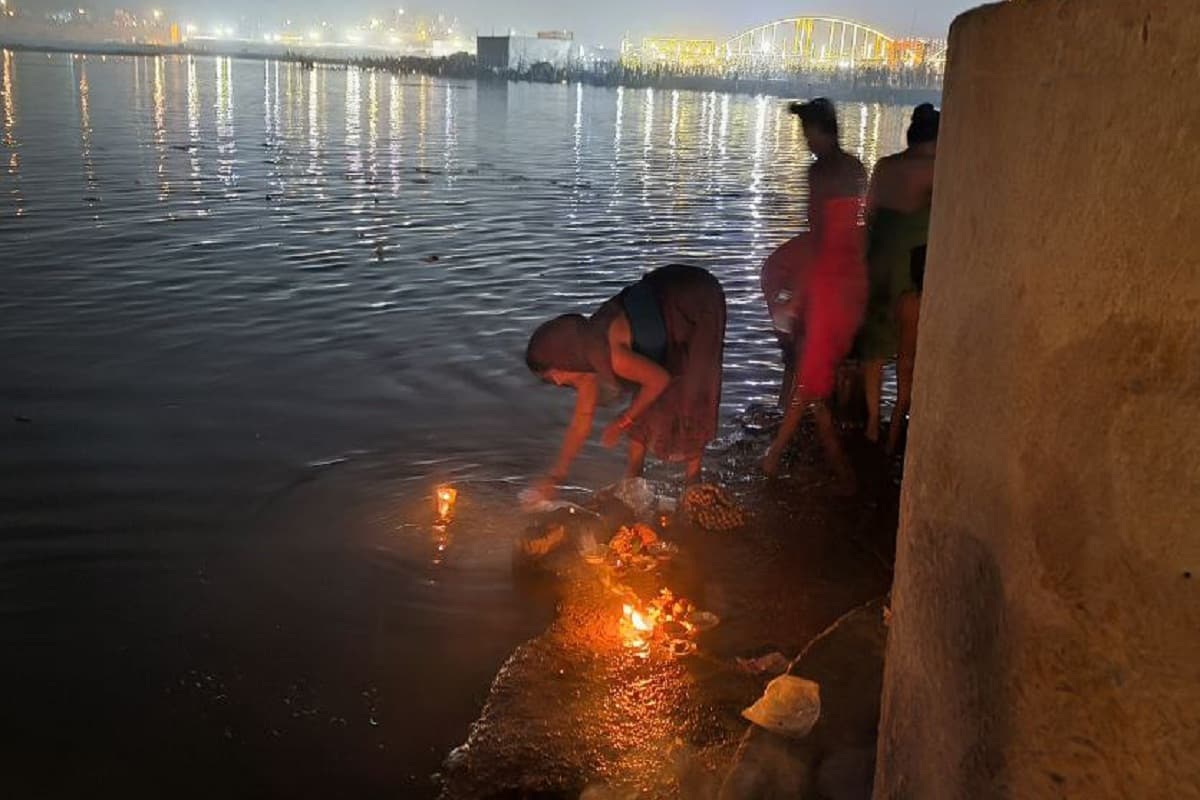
(1046, 631)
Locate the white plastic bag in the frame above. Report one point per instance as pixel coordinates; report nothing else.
(790, 707)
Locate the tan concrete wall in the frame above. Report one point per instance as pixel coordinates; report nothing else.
(1046, 631)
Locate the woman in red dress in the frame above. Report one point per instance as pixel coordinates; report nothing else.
(828, 292)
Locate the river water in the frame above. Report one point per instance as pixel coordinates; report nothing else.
(251, 315)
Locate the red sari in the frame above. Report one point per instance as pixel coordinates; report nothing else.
(817, 293)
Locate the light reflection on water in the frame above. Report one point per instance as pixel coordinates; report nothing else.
(276, 305)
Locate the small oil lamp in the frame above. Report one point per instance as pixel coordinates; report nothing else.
(639, 622)
(444, 498)
(636, 628)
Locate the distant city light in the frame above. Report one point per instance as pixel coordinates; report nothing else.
(157, 14)
(314, 35)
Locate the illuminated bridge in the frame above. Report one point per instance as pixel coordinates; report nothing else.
(791, 45)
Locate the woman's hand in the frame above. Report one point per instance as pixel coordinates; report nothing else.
(547, 487)
(577, 432)
(542, 491)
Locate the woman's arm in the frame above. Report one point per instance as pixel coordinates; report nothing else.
(586, 391)
(652, 380)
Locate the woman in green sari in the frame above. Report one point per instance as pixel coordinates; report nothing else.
(898, 204)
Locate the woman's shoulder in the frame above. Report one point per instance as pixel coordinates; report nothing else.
(888, 168)
(608, 309)
(618, 330)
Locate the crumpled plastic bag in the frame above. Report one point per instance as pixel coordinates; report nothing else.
(640, 497)
(789, 707)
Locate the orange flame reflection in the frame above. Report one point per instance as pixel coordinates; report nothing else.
(445, 496)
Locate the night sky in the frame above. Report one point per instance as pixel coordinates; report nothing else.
(594, 21)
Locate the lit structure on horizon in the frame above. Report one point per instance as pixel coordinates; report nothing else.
(513, 51)
(398, 32)
(789, 45)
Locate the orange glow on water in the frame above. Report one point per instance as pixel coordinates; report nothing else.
(445, 497)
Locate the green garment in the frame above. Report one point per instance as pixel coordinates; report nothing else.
(891, 238)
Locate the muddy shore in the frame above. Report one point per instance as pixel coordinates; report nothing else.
(574, 712)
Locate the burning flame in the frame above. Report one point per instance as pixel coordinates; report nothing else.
(637, 620)
(662, 620)
(637, 628)
(445, 497)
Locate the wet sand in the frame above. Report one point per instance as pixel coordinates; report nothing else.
(573, 710)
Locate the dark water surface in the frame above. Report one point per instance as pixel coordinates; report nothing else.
(250, 316)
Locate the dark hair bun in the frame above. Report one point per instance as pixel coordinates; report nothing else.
(925, 122)
(925, 113)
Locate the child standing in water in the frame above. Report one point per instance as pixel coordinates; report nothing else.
(829, 288)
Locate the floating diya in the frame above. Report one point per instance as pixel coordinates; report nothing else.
(445, 498)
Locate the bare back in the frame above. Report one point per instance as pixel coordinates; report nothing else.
(830, 177)
(902, 182)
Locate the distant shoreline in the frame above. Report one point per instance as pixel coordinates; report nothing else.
(463, 66)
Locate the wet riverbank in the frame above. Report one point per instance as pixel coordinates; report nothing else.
(253, 314)
(575, 711)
